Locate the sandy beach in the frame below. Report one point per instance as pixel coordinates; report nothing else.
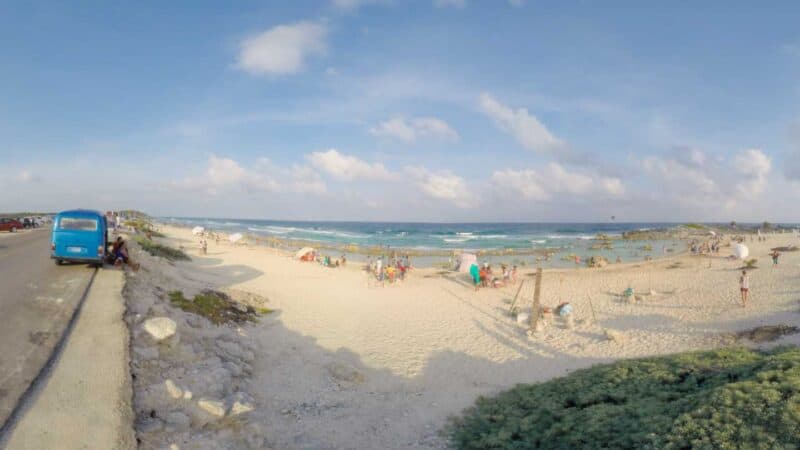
(344, 362)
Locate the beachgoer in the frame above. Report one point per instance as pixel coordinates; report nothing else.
(619, 259)
(744, 286)
(343, 260)
(474, 271)
(121, 255)
(775, 255)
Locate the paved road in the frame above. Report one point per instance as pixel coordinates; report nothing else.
(36, 301)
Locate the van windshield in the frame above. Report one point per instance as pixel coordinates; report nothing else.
(75, 223)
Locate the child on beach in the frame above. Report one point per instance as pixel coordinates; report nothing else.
(775, 255)
(744, 287)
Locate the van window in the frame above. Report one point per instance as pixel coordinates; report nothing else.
(76, 223)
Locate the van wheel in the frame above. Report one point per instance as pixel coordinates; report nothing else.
(13, 229)
(59, 262)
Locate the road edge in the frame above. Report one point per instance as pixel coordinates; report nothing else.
(87, 400)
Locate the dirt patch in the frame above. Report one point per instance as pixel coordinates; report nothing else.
(767, 333)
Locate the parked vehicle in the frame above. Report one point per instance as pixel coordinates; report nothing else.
(79, 235)
(11, 225)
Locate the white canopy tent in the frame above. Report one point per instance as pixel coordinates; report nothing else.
(465, 260)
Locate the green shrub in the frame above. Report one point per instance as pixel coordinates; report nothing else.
(723, 399)
(217, 307)
(695, 226)
(162, 251)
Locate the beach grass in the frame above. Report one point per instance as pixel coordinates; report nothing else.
(727, 398)
(217, 307)
(160, 250)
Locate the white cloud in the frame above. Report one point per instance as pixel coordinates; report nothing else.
(347, 167)
(410, 131)
(25, 176)
(444, 186)
(227, 175)
(525, 127)
(396, 128)
(450, 3)
(307, 181)
(691, 179)
(541, 185)
(753, 166)
(283, 49)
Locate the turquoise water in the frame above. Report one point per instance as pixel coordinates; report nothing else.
(562, 239)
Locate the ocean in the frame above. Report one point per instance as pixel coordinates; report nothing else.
(564, 240)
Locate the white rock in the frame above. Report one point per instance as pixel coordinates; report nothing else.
(213, 407)
(173, 390)
(160, 328)
(241, 403)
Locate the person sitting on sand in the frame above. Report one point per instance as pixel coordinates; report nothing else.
(744, 286)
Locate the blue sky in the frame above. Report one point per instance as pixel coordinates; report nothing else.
(440, 110)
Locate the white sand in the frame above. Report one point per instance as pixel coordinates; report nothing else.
(345, 363)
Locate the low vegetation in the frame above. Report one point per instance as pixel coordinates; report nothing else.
(728, 398)
(159, 250)
(217, 307)
(695, 226)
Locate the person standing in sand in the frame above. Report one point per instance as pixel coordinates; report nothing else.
(775, 255)
(744, 287)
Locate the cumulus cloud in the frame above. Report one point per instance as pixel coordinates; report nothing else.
(690, 178)
(525, 127)
(283, 49)
(227, 175)
(224, 173)
(411, 130)
(753, 167)
(347, 167)
(444, 185)
(554, 179)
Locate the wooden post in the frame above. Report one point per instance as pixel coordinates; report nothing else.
(514, 303)
(537, 288)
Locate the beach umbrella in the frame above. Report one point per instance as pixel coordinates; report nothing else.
(235, 237)
(741, 251)
(198, 231)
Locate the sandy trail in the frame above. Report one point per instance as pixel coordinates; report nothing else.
(345, 363)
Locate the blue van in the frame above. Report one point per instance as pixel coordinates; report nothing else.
(79, 235)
